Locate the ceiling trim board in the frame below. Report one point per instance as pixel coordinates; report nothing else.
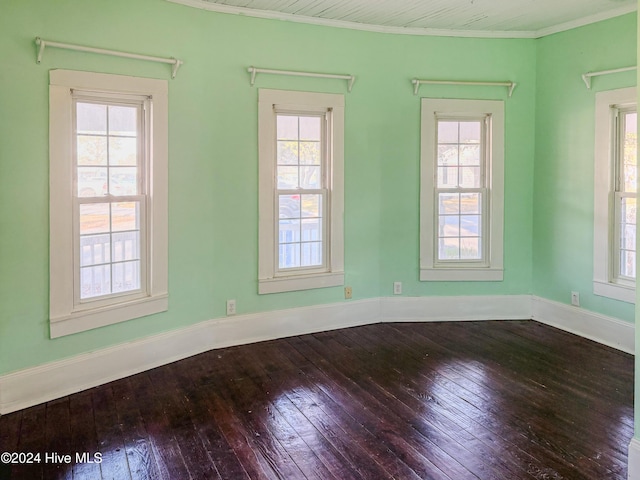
(418, 31)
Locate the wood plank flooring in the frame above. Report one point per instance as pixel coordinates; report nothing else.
(468, 400)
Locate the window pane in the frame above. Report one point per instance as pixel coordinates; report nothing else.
(628, 237)
(447, 132)
(470, 177)
(470, 249)
(289, 206)
(94, 218)
(311, 229)
(289, 255)
(628, 264)
(287, 127)
(447, 154)
(91, 150)
(287, 153)
(123, 121)
(449, 203)
(449, 225)
(123, 181)
(288, 231)
(470, 155)
(311, 254)
(469, 225)
(287, 178)
(447, 177)
(311, 205)
(95, 281)
(470, 203)
(125, 216)
(95, 250)
(629, 152)
(91, 118)
(310, 128)
(310, 153)
(310, 177)
(126, 246)
(92, 181)
(123, 151)
(449, 249)
(629, 210)
(126, 276)
(470, 132)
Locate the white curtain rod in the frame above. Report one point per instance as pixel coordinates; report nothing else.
(253, 71)
(47, 43)
(417, 82)
(586, 77)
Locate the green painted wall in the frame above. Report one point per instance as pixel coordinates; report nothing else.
(563, 193)
(213, 155)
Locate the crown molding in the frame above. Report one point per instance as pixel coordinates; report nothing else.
(436, 32)
(581, 22)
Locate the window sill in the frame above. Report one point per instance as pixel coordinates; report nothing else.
(300, 282)
(615, 291)
(461, 274)
(81, 321)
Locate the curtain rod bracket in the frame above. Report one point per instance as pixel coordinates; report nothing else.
(41, 44)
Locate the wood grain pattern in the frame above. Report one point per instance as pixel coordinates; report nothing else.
(443, 401)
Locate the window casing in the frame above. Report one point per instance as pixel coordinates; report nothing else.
(301, 190)
(615, 194)
(108, 199)
(461, 200)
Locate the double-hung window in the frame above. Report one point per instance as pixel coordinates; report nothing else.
(461, 190)
(616, 173)
(301, 190)
(108, 199)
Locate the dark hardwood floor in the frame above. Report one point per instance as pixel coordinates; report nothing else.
(489, 400)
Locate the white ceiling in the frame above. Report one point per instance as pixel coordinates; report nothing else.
(483, 18)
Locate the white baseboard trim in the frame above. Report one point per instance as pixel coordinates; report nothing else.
(43, 383)
(459, 308)
(594, 326)
(633, 464)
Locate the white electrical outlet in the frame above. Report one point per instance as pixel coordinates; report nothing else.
(348, 293)
(231, 307)
(575, 299)
(397, 288)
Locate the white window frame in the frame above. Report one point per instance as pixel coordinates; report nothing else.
(67, 314)
(604, 225)
(270, 279)
(491, 268)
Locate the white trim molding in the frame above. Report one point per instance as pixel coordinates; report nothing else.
(633, 464)
(68, 313)
(46, 382)
(49, 381)
(329, 109)
(600, 328)
(489, 237)
(451, 309)
(605, 224)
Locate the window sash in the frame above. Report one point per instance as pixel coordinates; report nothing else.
(483, 226)
(482, 190)
(140, 103)
(323, 191)
(620, 193)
